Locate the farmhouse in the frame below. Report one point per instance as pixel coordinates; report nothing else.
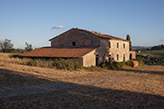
(88, 48)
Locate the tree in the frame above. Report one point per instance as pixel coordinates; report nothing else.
(5, 45)
(130, 43)
(28, 46)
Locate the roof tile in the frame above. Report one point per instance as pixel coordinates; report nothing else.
(93, 32)
(58, 52)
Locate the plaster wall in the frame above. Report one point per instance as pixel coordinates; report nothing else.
(133, 54)
(89, 59)
(119, 52)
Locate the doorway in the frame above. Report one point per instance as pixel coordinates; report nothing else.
(97, 60)
(130, 57)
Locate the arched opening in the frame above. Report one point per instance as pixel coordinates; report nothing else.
(130, 57)
(117, 57)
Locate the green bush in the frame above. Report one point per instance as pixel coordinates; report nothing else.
(65, 64)
(113, 65)
(107, 65)
(127, 62)
(140, 60)
(32, 63)
(58, 63)
(118, 64)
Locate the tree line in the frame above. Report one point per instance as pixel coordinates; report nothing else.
(159, 47)
(7, 47)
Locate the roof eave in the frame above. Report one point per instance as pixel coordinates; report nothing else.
(119, 39)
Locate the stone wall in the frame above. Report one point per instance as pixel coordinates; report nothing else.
(76, 38)
(103, 51)
(106, 48)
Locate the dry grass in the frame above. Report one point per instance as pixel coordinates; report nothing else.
(144, 79)
(5, 55)
(7, 58)
(141, 87)
(55, 63)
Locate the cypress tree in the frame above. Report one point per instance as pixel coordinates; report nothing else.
(130, 43)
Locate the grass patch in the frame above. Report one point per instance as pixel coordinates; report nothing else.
(94, 68)
(65, 64)
(56, 63)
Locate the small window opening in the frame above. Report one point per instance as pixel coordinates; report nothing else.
(110, 58)
(124, 57)
(124, 45)
(117, 45)
(73, 44)
(109, 44)
(117, 57)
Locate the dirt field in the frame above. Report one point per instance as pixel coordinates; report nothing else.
(141, 87)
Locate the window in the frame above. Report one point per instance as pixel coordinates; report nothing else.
(110, 58)
(124, 57)
(109, 44)
(73, 44)
(117, 57)
(117, 45)
(124, 45)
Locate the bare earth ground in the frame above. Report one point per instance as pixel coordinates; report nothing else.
(35, 87)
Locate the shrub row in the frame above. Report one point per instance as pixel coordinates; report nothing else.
(114, 65)
(149, 60)
(57, 63)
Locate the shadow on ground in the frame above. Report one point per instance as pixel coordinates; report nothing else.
(76, 96)
(13, 78)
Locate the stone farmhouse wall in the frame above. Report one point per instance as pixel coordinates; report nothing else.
(102, 53)
(106, 49)
(76, 38)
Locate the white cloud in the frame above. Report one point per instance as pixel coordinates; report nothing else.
(58, 27)
(162, 40)
(15, 46)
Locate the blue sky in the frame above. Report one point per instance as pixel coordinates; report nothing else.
(31, 20)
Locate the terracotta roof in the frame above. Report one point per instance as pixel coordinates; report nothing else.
(58, 52)
(102, 35)
(111, 37)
